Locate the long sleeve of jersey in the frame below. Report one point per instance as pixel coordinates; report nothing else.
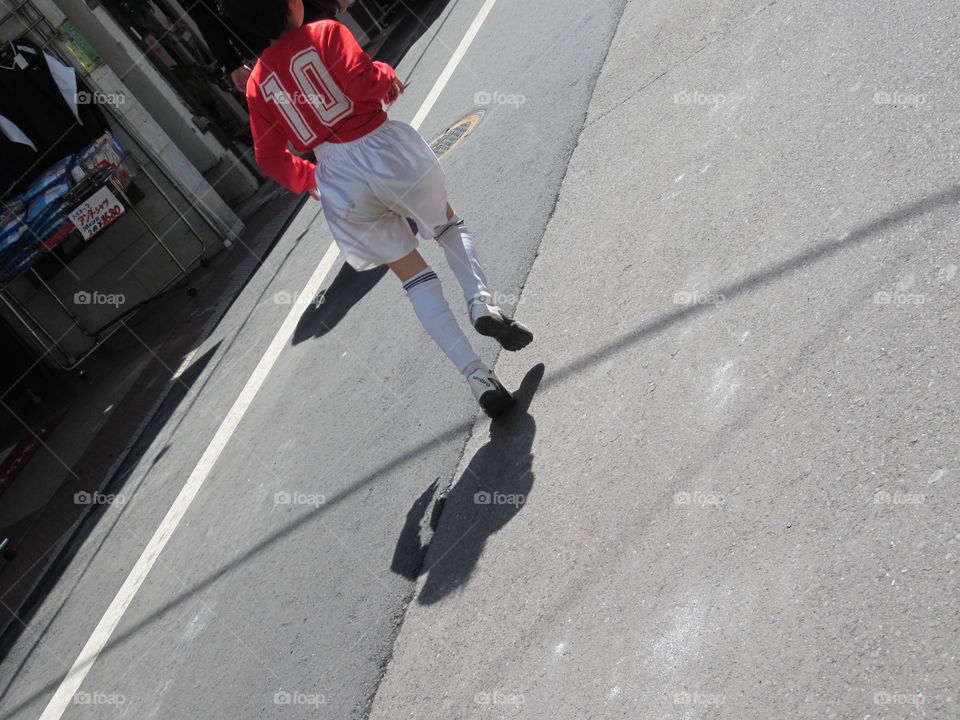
(273, 156)
(360, 77)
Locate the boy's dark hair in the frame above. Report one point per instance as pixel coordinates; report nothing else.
(268, 18)
(314, 10)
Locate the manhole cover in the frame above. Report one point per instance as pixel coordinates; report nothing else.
(454, 135)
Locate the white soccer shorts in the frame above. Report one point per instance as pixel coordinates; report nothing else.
(369, 187)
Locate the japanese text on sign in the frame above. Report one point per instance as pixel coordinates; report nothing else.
(96, 212)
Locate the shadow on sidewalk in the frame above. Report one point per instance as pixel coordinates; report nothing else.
(333, 303)
(410, 552)
(491, 491)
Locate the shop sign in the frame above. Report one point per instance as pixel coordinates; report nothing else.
(79, 46)
(96, 212)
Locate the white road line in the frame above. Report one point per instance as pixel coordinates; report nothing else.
(111, 618)
(452, 65)
(64, 695)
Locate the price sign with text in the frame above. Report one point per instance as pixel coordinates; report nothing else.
(96, 212)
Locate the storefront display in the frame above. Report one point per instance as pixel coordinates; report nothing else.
(85, 195)
(66, 181)
(59, 202)
(62, 144)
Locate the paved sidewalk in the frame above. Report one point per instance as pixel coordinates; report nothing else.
(732, 490)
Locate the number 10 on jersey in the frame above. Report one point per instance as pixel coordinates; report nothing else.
(316, 95)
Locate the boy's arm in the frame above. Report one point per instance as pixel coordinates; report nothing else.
(357, 74)
(270, 148)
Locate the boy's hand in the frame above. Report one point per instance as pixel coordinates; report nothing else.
(396, 90)
(315, 194)
(240, 77)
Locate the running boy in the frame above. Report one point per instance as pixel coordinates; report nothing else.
(315, 88)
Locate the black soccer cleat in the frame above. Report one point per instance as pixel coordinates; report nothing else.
(493, 397)
(493, 322)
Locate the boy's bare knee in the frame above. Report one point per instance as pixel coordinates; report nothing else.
(408, 266)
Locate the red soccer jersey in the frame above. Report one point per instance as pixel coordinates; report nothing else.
(314, 85)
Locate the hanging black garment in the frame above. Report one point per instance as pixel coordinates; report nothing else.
(32, 100)
(16, 163)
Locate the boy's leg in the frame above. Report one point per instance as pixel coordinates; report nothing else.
(418, 190)
(426, 295)
(487, 319)
(461, 254)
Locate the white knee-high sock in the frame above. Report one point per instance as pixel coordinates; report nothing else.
(426, 296)
(458, 247)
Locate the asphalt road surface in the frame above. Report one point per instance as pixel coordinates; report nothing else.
(735, 487)
(280, 592)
